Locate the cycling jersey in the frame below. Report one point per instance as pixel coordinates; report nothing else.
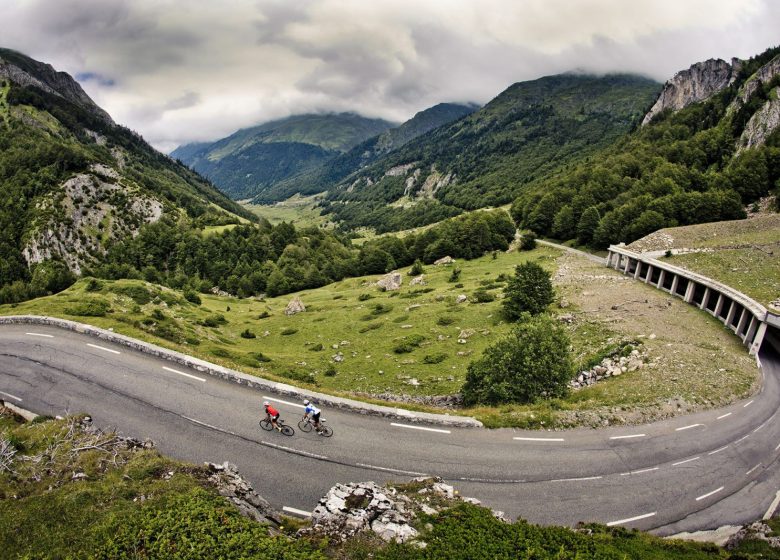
(272, 411)
(311, 409)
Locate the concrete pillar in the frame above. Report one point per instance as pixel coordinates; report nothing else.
(690, 291)
(638, 268)
(719, 305)
(754, 323)
(618, 258)
(661, 278)
(731, 313)
(649, 273)
(756, 346)
(742, 320)
(705, 298)
(675, 281)
(609, 258)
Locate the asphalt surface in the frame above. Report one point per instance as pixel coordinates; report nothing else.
(690, 473)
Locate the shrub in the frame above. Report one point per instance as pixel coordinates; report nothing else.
(215, 320)
(287, 331)
(221, 353)
(192, 296)
(370, 327)
(364, 297)
(260, 357)
(434, 358)
(330, 371)
(528, 241)
(317, 347)
(169, 332)
(417, 268)
(532, 362)
(138, 294)
(380, 309)
(408, 344)
(454, 275)
(483, 296)
(95, 308)
(248, 334)
(158, 315)
(445, 320)
(529, 290)
(264, 315)
(93, 285)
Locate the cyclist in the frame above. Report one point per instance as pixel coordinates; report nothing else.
(272, 414)
(314, 413)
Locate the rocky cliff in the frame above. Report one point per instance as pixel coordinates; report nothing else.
(697, 83)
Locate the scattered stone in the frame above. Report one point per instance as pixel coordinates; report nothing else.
(757, 530)
(567, 318)
(406, 326)
(466, 333)
(418, 280)
(444, 260)
(563, 304)
(295, 306)
(217, 292)
(391, 281)
(461, 298)
(338, 357)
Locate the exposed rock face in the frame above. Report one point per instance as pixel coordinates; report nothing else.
(763, 123)
(391, 281)
(230, 484)
(759, 531)
(699, 82)
(762, 76)
(295, 306)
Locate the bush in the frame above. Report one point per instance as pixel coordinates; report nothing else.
(532, 362)
(370, 327)
(317, 347)
(248, 334)
(330, 371)
(287, 331)
(364, 297)
(483, 296)
(528, 241)
(158, 315)
(93, 285)
(95, 308)
(192, 296)
(530, 290)
(454, 275)
(408, 344)
(215, 320)
(260, 357)
(264, 315)
(434, 358)
(445, 320)
(138, 294)
(169, 332)
(417, 268)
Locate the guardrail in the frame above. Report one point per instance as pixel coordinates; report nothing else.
(747, 318)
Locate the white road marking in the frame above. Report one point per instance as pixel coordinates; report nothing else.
(10, 395)
(184, 374)
(295, 511)
(778, 447)
(687, 427)
(538, 438)
(772, 507)
(389, 469)
(639, 472)
(208, 425)
(283, 402)
(722, 416)
(761, 426)
(686, 461)
(576, 479)
(708, 494)
(628, 437)
(751, 470)
(39, 334)
(742, 438)
(298, 451)
(747, 404)
(630, 519)
(717, 450)
(104, 348)
(420, 428)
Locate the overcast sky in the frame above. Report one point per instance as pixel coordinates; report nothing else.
(186, 70)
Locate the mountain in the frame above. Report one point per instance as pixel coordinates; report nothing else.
(74, 182)
(252, 160)
(321, 177)
(709, 146)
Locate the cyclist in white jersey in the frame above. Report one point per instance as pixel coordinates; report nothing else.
(313, 412)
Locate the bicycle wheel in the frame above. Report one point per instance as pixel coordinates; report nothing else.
(304, 426)
(287, 430)
(326, 431)
(266, 424)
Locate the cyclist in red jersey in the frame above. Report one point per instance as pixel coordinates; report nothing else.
(272, 414)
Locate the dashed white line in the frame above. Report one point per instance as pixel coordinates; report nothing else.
(628, 437)
(207, 425)
(283, 402)
(751, 470)
(296, 511)
(687, 427)
(717, 450)
(184, 374)
(538, 438)
(761, 426)
(576, 479)
(389, 469)
(10, 396)
(747, 404)
(639, 471)
(104, 348)
(772, 507)
(708, 494)
(686, 461)
(420, 428)
(742, 438)
(40, 334)
(722, 416)
(630, 519)
(293, 450)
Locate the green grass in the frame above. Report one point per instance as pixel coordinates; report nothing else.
(298, 210)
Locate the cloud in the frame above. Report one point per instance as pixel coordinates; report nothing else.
(188, 70)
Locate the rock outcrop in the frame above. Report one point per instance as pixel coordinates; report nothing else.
(444, 260)
(390, 282)
(230, 484)
(697, 83)
(763, 123)
(295, 306)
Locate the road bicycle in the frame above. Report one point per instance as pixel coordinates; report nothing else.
(306, 425)
(266, 424)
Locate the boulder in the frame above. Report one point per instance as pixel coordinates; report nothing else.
(461, 298)
(391, 281)
(295, 306)
(230, 484)
(444, 260)
(418, 280)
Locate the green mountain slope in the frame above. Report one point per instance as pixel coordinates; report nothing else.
(702, 163)
(251, 160)
(332, 171)
(74, 183)
(529, 131)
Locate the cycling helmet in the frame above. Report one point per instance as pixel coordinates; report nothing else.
(306, 402)
(266, 403)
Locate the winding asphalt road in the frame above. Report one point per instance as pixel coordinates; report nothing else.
(689, 473)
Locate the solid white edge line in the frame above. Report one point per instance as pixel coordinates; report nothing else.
(184, 374)
(772, 507)
(722, 416)
(778, 447)
(717, 450)
(576, 479)
(10, 395)
(687, 427)
(39, 334)
(747, 404)
(420, 428)
(751, 470)
(104, 348)
(283, 402)
(207, 425)
(639, 471)
(296, 511)
(390, 469)
(708, 494)
(628, 437)
(686, 461)
(742, 439)
(293, 450)
(630, 519)
(537, 439)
